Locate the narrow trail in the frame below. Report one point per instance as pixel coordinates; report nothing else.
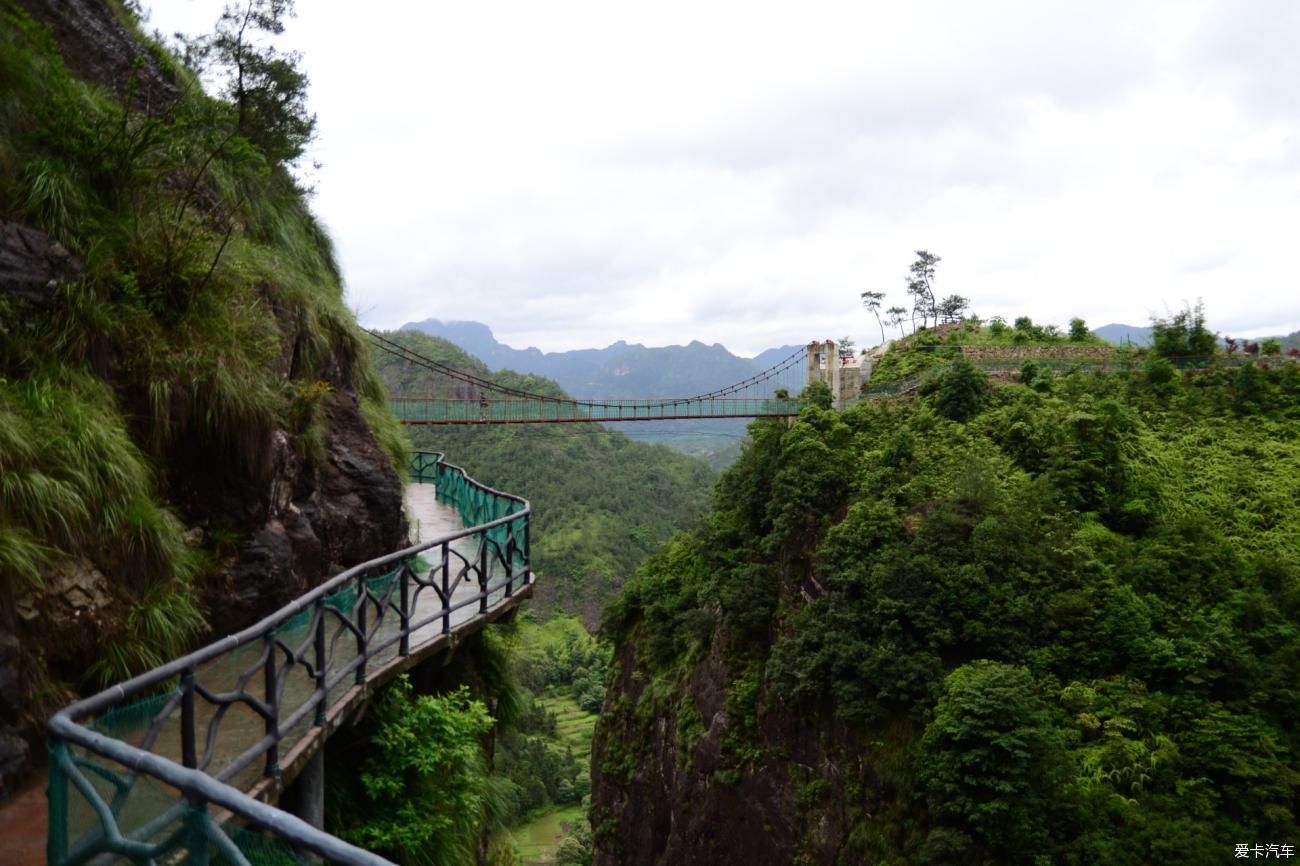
(22, 826)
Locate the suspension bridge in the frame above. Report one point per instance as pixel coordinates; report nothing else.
(466, 398)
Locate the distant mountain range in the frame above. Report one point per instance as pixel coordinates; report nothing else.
(620, 370)
(1120, 334)
(1141, 336)
(630, 371)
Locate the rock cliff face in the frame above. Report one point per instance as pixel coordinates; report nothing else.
(96, 47)
(303, 522)
(273, 517)
(666, 792)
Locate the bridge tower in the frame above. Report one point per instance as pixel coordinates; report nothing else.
(841, 373)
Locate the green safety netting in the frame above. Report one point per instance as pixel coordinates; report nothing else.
(137, 715)
(83, 786)
(477, 506)
(260, 849)
(341, 600)
(133, 716)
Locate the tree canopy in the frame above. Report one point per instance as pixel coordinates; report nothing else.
(1061, 624)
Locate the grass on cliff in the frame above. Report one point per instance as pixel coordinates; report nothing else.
(209, 313)
(73, 482)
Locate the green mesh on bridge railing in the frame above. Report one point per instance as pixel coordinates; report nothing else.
(413, 410)
(102, 810)
(150, 822)
(133, 716)
(137, 715)
(260, 850)
(478, 505)
(153, 824)
(343, 600)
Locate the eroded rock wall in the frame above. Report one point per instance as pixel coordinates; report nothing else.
(669, 787)
(304, 522)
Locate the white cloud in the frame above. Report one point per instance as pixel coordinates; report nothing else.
(579, 172)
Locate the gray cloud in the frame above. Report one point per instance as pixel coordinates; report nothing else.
(571, 175)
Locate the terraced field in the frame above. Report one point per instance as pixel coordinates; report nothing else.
(538, 838)
(573, 725)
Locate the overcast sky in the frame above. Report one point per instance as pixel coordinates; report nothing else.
(572, 173)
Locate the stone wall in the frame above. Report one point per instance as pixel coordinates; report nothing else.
(1061, 352)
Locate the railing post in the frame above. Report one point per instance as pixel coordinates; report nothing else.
(273, 702)
(194, 820)
(404, 646)
(483, 573)
(197, 832)
(446, 587)
(361, 629)
(189, 750)
(56, 835)
(510, 563)
(321, 664)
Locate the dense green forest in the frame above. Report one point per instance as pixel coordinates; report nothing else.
(601, 502)
(1050, 621)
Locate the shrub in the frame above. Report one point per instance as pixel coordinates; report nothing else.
(992, 763)
(424, 749)
(958, 391)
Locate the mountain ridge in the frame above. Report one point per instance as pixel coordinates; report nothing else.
(625, 370)
(1141, 335)
(683, 369)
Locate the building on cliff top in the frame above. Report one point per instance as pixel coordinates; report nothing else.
(844, 374)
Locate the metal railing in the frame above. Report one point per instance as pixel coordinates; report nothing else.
(161, 767)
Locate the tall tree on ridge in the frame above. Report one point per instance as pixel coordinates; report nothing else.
(872, 301)
(920, 285)
(266, 87)
(897, 315)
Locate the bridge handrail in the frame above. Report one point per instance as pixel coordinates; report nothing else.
(503, 540)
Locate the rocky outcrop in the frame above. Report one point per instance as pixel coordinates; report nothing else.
(304, 522)
(664, 795)
(99, 48)
(32, 264)
(273, 519)
(75, 606)
(64, 620)
(14, 749)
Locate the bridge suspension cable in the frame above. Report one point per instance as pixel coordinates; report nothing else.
(770, 373)
(415, 357)
(397, 349)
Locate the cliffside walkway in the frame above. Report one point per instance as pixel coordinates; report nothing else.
(185, 762)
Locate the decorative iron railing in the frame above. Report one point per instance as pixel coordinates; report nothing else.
(168, 766)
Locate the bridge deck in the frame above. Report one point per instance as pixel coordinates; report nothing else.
(418, 410)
